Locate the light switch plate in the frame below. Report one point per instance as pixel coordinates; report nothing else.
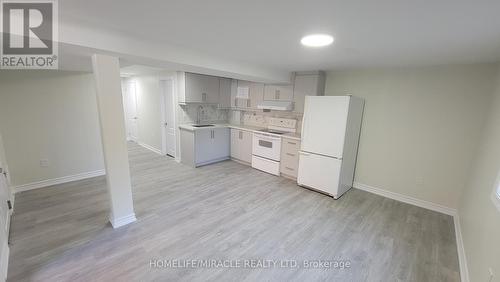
(44, 163)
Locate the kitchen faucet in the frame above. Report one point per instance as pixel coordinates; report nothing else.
(198, 114)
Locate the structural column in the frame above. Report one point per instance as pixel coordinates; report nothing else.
(111, 118)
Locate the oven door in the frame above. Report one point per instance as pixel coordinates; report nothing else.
(266, 146)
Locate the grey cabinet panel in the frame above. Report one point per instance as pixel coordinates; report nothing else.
(201, 88)
(278, 92)
(241, 145)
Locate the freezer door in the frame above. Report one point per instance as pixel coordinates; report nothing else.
(324, 125)
(319, 172)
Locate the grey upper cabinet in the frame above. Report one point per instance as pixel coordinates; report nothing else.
(225, 94)
(255, 95)
(198, 88)
(307, 84)
(278, 92)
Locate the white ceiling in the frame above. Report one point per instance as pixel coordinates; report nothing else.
(267, 33)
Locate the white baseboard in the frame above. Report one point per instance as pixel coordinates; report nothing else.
(55, 181)
(464, 273)
(406, 199)
(151, 148)
(124, 220)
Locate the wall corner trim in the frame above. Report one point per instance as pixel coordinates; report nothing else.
(462, 260)
(122, 221)
(464, 272)
(56, 181)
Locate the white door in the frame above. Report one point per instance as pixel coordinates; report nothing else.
(169, 140)
(324, 125)
(130, 104)
(319, 172)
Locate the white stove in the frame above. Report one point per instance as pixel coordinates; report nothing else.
(266, 145)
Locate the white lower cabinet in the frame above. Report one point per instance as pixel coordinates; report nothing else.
(241, 145)
(204, 146)
(289, 157)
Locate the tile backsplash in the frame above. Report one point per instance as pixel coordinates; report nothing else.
(208, 113)
(261, 119)
(212, 114)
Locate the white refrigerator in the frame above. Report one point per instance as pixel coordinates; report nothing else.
(330, 135)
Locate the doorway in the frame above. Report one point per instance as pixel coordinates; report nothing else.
(130, 105)
(168, 117)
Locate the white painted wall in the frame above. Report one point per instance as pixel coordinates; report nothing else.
(480, 219)
(149, 110)
(52, 115)
(420, 127)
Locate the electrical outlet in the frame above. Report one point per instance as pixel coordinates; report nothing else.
(44, 163)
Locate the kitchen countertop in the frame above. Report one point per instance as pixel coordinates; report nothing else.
(189, 127)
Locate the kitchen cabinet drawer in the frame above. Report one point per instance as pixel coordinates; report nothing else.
(290, 157)
(266, 165)
(291, 145)
(289, 170)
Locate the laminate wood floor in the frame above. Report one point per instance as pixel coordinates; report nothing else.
(225, 213)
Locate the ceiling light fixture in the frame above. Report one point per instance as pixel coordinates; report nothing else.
(317, 40)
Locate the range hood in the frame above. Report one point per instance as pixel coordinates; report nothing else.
(276, 105)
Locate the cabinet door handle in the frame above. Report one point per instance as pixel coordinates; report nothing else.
(248, 103)
(291, 143)
(291, 155)
(289, 168)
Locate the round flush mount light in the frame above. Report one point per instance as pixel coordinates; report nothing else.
(317, 40)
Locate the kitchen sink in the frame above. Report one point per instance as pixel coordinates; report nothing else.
(202, 125)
